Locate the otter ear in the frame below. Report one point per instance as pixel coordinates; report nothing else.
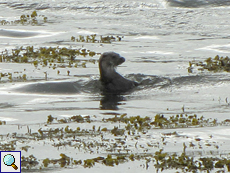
(103, 56)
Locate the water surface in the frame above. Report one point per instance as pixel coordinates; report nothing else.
(160, 38)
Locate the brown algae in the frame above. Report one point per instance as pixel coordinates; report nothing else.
(215, 64)
(45, 55)
(66, 136)
(27, 19)
(52, 57)
(96, 39)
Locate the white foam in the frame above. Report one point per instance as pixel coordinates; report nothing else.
(34, 34)
(146, 37)
(158, 52)
(7, 119)
(217, 48)
(86, 32)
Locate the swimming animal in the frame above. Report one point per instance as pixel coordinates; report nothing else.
(111, 81)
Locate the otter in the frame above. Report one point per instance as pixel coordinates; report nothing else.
(111, 81)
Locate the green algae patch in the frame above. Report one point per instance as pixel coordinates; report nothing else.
(216, 64)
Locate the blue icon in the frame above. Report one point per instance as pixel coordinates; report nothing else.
(9, 160)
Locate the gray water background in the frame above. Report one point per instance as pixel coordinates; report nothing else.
(160, 38)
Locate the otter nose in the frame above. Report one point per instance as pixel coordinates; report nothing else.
(122, 59)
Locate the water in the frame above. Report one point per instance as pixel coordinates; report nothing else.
(160, 38)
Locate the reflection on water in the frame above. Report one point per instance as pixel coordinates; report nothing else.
(111, 101)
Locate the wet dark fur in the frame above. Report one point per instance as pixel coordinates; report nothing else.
(113, 82)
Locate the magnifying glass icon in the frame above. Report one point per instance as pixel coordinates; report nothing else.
(9, 160)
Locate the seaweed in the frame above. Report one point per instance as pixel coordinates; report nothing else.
(26, 19)
(66, 136)
(45, 56)
(216, 64)
(160, 121)
(162, 160)
(29, 162)
(75, 118)
(2, 122)
(96, 39)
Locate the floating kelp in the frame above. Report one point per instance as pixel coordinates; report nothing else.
(52, 56)
(96, 39)
(132, 125)
(29, 162)
(127, 134)
(63, 161)
(182, 120)
(117, 132)
(160, 121)
(160, 160)
(32, 19)
(18, 76)
(211, 64)
(25, 148)
(188, 163)
(76, 118)
(2, 122)
(8, 146)
(145, 123)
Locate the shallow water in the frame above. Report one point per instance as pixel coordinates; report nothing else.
(160, 38)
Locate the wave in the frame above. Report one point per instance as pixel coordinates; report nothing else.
(23, 34)
(86, 5)
(60, 87)
(198, 3)
(92, 86)
(101, 5)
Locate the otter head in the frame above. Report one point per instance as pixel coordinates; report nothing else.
(108, 63)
